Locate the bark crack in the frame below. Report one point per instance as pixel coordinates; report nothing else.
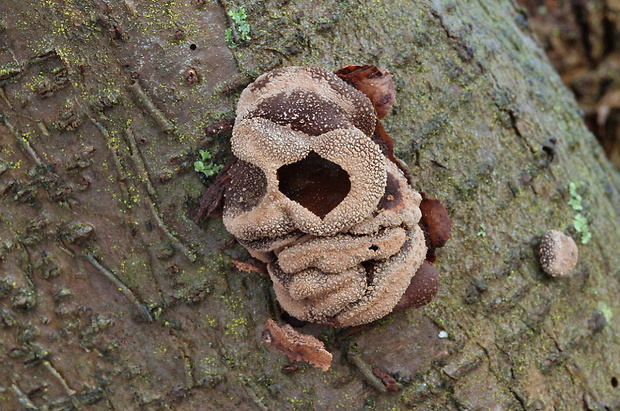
(519, 399)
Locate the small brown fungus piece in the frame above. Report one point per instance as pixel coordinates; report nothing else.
(315, 193)
(436, 224)
(297, 346)
(422, 288)
(375, 82)
(558, 253)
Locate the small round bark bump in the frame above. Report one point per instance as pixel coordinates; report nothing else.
(558, 253)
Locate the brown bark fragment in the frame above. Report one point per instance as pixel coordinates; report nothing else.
(297, 346)
(387, 379)
(212, 201)
(252, 265)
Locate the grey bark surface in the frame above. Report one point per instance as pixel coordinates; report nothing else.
(111, 297)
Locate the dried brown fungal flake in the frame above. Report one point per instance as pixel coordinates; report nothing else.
(375, 82)
(297, 346)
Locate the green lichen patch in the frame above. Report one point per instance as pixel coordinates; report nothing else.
(205, 166)
(240, 31)
(580, 221)
(575, 198)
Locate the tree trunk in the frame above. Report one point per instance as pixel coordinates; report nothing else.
(582, 40)
(111, 297)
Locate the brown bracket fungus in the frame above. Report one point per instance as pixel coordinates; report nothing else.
(316, 193)
(558, 253)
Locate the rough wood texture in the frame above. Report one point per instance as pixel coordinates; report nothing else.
(111, 297)
(582, 40)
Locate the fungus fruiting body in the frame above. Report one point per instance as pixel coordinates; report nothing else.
(558, 253)
(317, 195)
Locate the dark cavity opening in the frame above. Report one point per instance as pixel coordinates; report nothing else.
(614, 382)
(192, 47)
(370, 267)
(314, 182)
(373, 247)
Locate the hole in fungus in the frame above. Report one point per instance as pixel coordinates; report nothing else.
(192, 47)
(373, 247)
(370, 266)
(317, 184)
(614, 382)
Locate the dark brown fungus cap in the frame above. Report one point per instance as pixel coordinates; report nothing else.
(422, 288)
(558, 253)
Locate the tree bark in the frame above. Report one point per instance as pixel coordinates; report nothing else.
(111, 297)
(582, 40)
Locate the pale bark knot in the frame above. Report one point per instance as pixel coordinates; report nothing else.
(558, 253)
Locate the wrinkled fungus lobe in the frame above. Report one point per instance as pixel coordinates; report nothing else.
(316, 194)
